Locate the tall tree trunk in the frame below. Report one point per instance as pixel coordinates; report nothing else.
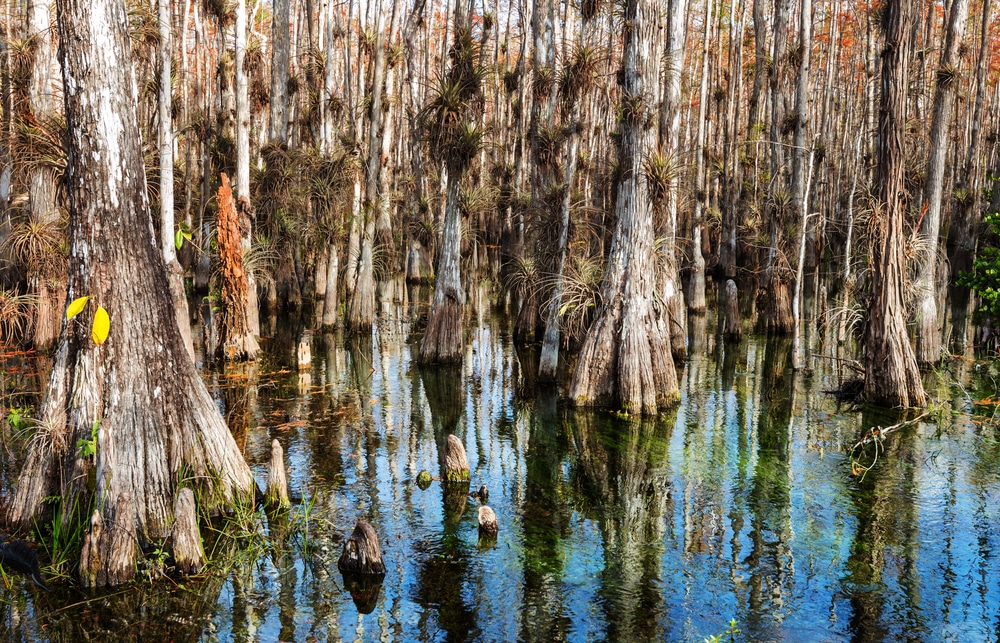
(928, 331)
(571, 98)
(383, 223)
(42, 181)
(625, 361)
(280, 49)
(670, 145)
(443, 339)
(779, 312)
(891, 374)
(166, 136)
(361, 311)
(963, 236)
(236, 341)
(696, 282)
(760, 72)
(243, 205)
(137, 395)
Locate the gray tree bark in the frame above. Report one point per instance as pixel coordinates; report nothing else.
(928, 331)
(280, 49)
(137, 395)
(625, 361)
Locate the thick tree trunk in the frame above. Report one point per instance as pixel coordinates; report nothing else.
(137, 397)
(891, 374)
(927, 319)
(442, 341)
(625, 361)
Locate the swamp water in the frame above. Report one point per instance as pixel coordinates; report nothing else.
(740, 504)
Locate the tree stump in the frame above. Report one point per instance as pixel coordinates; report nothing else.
(189, 556)
(733, 331)
(277, 483)
(238, 342)
(424, 479)
(456, 464)
(487, 521)
(361, 552)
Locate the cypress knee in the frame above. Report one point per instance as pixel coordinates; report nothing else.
(487, 521)
(189, 556)
(277, 481)
(456, 464)
(362, 554)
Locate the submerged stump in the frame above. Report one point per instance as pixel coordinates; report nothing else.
(487, 521)
(362, 554)
(276, 496)
(456, 464)
(189, 555)
(733, 331)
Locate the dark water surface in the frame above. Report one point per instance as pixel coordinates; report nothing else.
(740, 504)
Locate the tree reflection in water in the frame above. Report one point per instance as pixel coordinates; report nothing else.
(738, 504)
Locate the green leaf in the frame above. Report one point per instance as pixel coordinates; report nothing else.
(76, 307)
(179, 238)
(102, 325)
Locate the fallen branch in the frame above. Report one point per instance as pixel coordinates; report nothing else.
(879, 433)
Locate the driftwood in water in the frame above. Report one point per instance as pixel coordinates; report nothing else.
(733, 330)
(361, 552)
(456, 464)
(189, 556)
(364, 590)
(17, 557)
(277, 483)
(487, 521)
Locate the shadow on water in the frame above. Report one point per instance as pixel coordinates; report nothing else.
(739, 504)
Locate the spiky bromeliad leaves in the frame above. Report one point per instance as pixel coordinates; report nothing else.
(453, 136)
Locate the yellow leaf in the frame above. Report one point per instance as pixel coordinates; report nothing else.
(76, 307)
(102, 324)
